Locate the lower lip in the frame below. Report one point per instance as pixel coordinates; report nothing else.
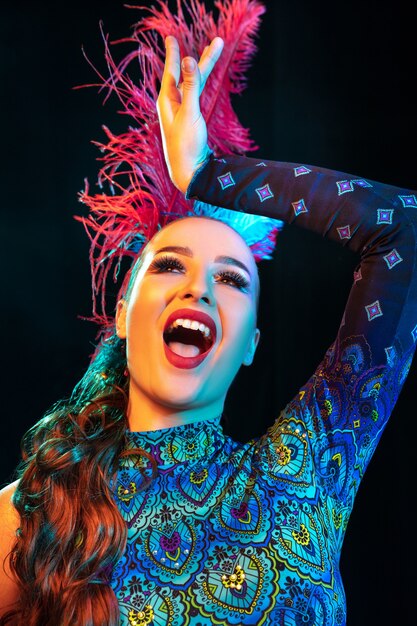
(183, 362)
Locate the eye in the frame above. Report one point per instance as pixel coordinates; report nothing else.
(166, 264)
(234, 278)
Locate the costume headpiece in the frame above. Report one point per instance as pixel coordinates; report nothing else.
(137, 197)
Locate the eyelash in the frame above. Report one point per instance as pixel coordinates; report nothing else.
(163, 263)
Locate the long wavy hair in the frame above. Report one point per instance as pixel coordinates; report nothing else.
(71, 532)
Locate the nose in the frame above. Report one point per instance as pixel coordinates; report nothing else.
(197, 288)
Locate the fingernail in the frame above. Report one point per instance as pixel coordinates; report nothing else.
(188, 64)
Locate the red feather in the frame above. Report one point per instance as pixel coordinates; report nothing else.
(141, 197)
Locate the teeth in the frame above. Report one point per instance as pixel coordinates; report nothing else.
(193, 324)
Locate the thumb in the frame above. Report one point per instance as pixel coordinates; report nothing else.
(190, 85)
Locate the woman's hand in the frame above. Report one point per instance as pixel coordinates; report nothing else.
(183, 128)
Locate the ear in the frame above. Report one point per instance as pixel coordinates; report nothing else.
(121, 319)
(252, 347)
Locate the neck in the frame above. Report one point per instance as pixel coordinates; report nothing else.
(146, 414)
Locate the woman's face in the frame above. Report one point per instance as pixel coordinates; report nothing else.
(196, 264)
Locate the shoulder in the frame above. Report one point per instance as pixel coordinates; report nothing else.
(7, 510)
(9, 523)
(9, 517)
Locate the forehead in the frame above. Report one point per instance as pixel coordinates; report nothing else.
(204, 236)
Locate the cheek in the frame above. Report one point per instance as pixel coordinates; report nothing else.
(238, 326)
(143, 313)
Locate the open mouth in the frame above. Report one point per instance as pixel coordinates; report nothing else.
(188, 342)
(189, 336)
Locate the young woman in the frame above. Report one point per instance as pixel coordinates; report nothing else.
(134, 506)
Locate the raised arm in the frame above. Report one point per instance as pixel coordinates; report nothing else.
(350, 396)
(356, 385)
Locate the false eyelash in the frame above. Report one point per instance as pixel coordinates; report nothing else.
(162, 263)
(238, 279)
(166, 261)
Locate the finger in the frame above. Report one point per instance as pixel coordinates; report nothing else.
(190, 87)
(172, 69)
(199, 65)
(209, 58)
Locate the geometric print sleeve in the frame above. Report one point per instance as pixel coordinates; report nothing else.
(347, 401)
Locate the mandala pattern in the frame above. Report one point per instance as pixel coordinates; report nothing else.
(344, 232)
(301, 170)
(373, 310)
(409, 201)
(239, 534)
(392, 259)
(299, 207)
(385, 216)
(264, 193)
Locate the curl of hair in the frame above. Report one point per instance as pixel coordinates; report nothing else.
(71, 532)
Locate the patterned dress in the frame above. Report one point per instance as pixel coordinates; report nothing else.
(251, 533)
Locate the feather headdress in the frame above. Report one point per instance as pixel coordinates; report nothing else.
(137, 197)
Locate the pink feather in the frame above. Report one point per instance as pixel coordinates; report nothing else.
(140, 197)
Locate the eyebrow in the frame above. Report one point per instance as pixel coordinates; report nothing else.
(185, 250)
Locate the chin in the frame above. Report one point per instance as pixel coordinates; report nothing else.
(179, 401)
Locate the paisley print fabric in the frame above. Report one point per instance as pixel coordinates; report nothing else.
(250, 533)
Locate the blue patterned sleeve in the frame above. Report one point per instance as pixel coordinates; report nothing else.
(349, 398)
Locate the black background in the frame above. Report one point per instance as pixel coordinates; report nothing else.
(332, 85)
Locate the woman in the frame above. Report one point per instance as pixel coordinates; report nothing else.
(184, 340)
(226, 532)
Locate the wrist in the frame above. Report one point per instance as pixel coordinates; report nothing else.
(184, 177)
(196, 171)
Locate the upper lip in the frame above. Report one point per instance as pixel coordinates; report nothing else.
(192, 314)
